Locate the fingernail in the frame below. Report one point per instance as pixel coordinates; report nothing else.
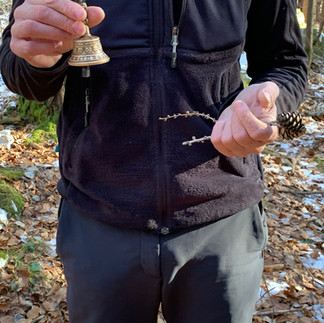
(239, 104)
(268, 96)
(58, 44)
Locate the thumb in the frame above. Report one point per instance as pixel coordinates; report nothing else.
(95, 15)
(268, 94)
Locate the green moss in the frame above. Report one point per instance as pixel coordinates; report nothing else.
(3, 255)
(10, 174)
(245, 79)
(28, 257)
(10, 199)
(36, 112)
(46, 131)
(41, 114)
(320, 164)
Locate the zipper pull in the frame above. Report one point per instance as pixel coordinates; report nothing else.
(87, 103)
(174, 44)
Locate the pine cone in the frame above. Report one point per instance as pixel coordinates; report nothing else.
(290, 125)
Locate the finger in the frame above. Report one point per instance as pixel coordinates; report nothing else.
(242, 143)
(74, 10)
(29, 48)
(32, 29)
(216, 139)
(268, 94)
(245, 143)
(257, 130)
(231, 137)
(31, 16)
(68, 8)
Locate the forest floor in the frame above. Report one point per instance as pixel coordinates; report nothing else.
(32, 283)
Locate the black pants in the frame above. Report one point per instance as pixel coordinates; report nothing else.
(209, 274)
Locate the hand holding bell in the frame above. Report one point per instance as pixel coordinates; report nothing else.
(87, 50)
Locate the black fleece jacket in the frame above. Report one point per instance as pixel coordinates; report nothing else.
(120, 163)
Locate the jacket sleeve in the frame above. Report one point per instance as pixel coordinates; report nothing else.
(20, 77)
(275, 51)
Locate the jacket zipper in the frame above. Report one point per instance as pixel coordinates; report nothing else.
(176, 23)
(158, 109)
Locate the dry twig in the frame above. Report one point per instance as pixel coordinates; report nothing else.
(279, 312)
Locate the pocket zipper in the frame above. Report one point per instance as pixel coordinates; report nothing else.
(176, 23)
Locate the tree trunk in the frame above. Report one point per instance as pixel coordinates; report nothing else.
(305, 9)
(321, 21)
(309, 32)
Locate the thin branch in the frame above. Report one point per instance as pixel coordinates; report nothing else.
(314, 279)
(272, 152)
(264, 294)
(188, 114)
(296, 192)
(195, 140)
(278, 312)
(271, 302)
(289, 133)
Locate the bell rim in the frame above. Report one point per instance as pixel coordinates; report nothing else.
(88, 63)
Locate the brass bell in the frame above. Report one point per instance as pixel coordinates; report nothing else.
(87, 49)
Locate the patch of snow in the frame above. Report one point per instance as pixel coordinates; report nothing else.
(56, 164)
(45, 165)
(30, 175)
(23, 238)
(309, 262)
(52, 244)
(3, 261)
(14, 206)
(6, 139)
(319, 312)
(307, 164)
(3, 218)
(32, 169)
(271, 169)
(36, 198)
(273, 287)
(310, 233)
(46, 217)
(282, 274)
(285, 221)
(288, 148)
(310, 201)
(286, 168)
(5, 94)
(243, 62)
